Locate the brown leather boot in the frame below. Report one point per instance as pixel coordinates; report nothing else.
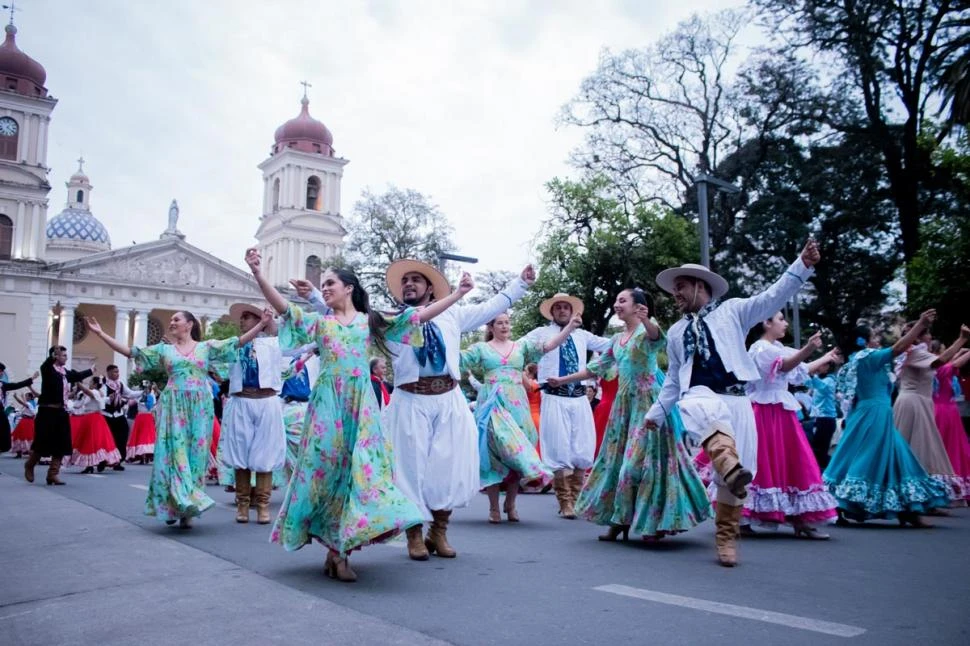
(416, 547)
(727, 523)
(561, 483)
(720, 448)
(576, 482)
(29, 465)
(437, 541)
(243, 494)
(264, 489)
(52, 472)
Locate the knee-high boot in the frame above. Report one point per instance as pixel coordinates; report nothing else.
(243, 494)
(53, 470)
(264, 489)
(29, 465)
(437, 541)
(721, 449)
(727, 523)
(562, 484)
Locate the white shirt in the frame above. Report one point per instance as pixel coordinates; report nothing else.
(772, 386)
(728, 323)
(126, 394)
(269, 361)
(89, 404)
(583, 339)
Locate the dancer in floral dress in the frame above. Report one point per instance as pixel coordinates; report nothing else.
(342, 492)
(643, 479)
(788, 486)
(947, 417)
(507, 434)
(873, 472)
(183, 414)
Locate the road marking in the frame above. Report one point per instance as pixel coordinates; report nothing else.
(767, 616)
(142, 487)
(95, 475)
(16, 614)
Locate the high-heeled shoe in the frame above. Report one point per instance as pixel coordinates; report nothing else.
(511, 512)
(913, 519)
(811, 533)
(494, 516)
(614, 532)
(185, 522)
(88, 470)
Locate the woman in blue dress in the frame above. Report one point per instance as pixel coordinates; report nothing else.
(873, 473)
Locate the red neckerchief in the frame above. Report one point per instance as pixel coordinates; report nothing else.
(386, 396)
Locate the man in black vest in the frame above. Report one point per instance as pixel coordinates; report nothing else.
(115, 406)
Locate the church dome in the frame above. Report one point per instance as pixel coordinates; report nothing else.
(24, 74)
(304, 133)
(78, 227)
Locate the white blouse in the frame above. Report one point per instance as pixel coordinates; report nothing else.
(772, 387)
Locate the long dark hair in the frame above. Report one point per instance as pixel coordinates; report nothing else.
(361, 303)
(642, 297)
(196, 332)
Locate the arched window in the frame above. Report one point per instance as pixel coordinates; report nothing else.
(313, 270)
(80, 197)
(313, 193)
(276, 195)
(6, 237)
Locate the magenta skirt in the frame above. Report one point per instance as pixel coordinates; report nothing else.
(788, 485)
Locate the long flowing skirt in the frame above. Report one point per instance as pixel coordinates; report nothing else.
(141, 440)
(342, 492)
(788, 485)
(642, 478)
(23, 435)
(954, 440)
(92, 441)
(874, 474)
(184, 425)
(506, 450)
(914, 416)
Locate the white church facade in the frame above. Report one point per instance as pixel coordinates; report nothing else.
(55, 271)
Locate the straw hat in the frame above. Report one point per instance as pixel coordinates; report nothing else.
(666, 278)
(238, 309)
(397, 269)
(545, 308)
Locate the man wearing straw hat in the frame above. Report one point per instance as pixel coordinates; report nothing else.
(567, 433)
(428, 422)
(708, 366)
(253, 438)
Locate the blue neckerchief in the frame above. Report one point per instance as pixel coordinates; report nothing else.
(695, 335)
(433, 350)
(568, 357)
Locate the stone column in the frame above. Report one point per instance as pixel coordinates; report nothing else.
(121, 335)
(19, 222)
(141, 328)
(65, 334)
(204, 325)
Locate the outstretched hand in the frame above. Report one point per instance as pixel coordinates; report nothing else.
(927, 318)
(303, 287)
(810, 254)
(555, 382)
(528, 275)
(815, 341)
(93, 325)
(964, 332)
(643, 313)
(266, 320)
(575, 322)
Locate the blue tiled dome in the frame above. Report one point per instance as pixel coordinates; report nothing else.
(77, 225)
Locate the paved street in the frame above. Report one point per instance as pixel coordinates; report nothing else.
(82, 565)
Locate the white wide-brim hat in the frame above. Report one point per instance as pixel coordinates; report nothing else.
(397, 269)
(545, 308)
(666, 278)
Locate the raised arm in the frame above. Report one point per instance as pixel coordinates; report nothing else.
(582, 375)
(307, 291)
(832, 356)
(762, 306)
(563, 334)
(472, 317)
(962, 357)
(264, 320)
(925, 320)
(274, 298)
(109, 340)
(947, 355)
(813, 344)
(425, 314)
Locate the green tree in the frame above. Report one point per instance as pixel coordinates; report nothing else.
(222, 330)
(389, 226)
(595, 245)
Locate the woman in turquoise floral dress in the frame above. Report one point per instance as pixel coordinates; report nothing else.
(183, 414)
(507, 435)
(643, 479)
(341, 491)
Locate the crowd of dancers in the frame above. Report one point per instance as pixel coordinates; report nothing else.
(359, 460)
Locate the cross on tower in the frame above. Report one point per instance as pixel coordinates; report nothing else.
(80, 164)
(305, 87)
(12, 7)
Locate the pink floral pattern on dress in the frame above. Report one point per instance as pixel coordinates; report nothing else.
(341, 491)
(183, 424)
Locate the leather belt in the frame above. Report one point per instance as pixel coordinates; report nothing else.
(734, 390)
(430, 385)
(255, 393)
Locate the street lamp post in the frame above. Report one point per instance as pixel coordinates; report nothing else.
(702, 180)
(442, 257)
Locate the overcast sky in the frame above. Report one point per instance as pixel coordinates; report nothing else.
(458, 100)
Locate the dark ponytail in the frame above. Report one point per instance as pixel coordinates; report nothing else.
(361, 302)
(489, 334)
(196, 332)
